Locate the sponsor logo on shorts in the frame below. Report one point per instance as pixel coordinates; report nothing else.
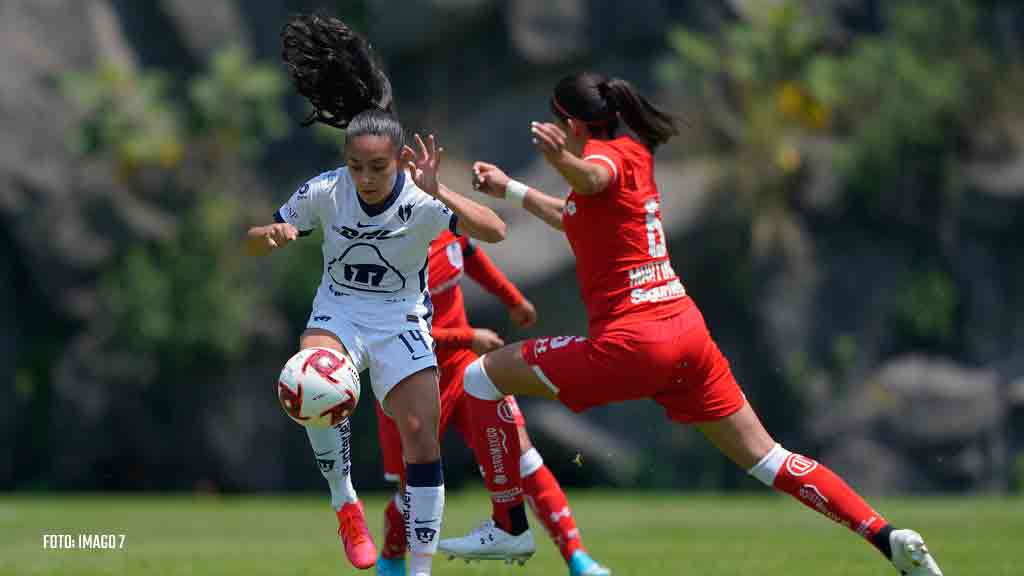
(542, 345)
(325, 465)
(321, 318)
(798, 465)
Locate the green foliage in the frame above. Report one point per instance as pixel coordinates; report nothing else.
(239, 103)
(899, 96)
(127, 114)
(186, 295)
(926, 306)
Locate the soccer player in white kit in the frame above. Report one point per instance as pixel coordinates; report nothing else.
(378, 214)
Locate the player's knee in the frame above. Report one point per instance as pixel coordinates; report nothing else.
(419, 439)
(478, 384)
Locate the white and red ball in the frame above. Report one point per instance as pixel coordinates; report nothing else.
(318, 387)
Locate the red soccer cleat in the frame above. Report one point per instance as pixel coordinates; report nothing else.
(359, 546)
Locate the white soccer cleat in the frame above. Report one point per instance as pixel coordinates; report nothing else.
(910, 555)
(489, 542)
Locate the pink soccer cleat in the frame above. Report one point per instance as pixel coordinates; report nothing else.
(359, 546)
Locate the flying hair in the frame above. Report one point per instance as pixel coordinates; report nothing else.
(334, 68)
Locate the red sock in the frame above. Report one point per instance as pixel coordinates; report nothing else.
(394, 532)
(552, 508)
(822, 490)
(497, 448)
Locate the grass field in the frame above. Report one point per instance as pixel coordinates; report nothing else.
(665, 534)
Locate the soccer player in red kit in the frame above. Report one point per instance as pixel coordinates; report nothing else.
(458, 345)
(647, 338)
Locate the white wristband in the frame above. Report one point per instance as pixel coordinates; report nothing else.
(515, 191)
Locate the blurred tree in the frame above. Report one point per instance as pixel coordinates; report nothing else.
(178, 305)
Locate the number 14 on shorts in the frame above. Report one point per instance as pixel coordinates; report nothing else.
(416, 344)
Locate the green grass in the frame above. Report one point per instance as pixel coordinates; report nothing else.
(670, 534)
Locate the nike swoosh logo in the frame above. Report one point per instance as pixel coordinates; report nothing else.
(425, 521)
(420, 357)
(361, 225)
(324, 453)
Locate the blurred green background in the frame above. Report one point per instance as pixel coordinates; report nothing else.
(846, 205)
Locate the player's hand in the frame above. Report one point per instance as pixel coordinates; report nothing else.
(485, 340)
(424, 164)
(524, 315)
(489, 179)
(280, 234)
(550, 139)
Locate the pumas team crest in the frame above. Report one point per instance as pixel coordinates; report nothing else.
(362, 267)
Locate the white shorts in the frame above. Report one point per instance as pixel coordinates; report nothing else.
(391, 354)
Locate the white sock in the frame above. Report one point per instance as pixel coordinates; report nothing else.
(332, 448)
(424, 501)
(530, 462)
(478, 384)
(768, 467)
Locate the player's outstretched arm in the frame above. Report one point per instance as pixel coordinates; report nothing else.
(492, 181)
(262, 240)
(475, 219)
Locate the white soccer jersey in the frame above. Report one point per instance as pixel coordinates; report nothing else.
(375, 257)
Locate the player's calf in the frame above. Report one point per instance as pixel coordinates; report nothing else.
(497, 446)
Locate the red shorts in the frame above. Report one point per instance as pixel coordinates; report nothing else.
(454, 411)
(674, 362)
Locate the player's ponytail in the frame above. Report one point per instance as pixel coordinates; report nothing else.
(334, 68)
(600, 102)
(653, 126)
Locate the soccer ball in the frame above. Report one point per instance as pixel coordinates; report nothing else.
(318, 387)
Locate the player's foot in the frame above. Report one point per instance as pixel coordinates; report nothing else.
(581, 564)
(359, 547)
(489, 542)
(910, 555)
(390, 566)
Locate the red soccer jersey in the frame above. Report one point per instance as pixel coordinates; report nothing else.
(449, 257)
(622, 263)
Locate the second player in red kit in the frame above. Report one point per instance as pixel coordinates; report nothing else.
(458, 345)
(647, 338)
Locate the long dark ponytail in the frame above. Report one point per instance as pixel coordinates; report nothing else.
(334, 68)
(600, 102)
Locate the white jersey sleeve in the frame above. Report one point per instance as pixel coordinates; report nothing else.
(438, 217)
(304, 209)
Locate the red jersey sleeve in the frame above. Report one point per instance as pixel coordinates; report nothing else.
(453, 337)
(597, 152)
(481, 269)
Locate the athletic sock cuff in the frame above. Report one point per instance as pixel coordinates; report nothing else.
(424, 475)
(768, 467)
(530, 462)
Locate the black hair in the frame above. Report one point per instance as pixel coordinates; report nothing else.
(334, 68)
(599, 102)
(376, 122)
